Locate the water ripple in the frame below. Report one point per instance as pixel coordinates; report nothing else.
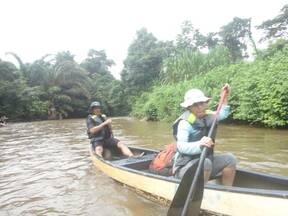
(45, 169)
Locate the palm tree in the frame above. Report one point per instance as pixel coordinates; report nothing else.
(63, 81)
(67, 86)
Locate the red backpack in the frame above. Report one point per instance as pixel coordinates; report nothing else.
(163, 162)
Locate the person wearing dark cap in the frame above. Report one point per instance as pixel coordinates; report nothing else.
(100, 132)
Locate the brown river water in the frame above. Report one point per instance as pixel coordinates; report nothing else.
(45, 167)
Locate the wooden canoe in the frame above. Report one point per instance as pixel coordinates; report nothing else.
(253, 193)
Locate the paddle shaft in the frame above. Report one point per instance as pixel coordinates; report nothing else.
(202, 157)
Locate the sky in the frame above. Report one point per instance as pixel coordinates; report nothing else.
(34, 28)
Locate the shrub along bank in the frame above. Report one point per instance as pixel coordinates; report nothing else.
(259, 92)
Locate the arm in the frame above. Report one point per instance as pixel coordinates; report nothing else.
(225, 110)
(223, 114)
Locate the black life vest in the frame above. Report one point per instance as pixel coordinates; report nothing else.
(104, 133)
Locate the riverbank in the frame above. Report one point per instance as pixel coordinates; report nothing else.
(258, 92)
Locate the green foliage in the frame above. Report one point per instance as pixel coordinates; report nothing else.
(97, 63)
(218, 56)
(273, 48)
(32, 105)
(188, 63)
(36, 109)
(233, 37)
(64, 56)
(10, 97)
(156, 75)
(276, 27)
(259, 92)
(118, 99)
(191, 38)
(264, 98)
(183, 65)
(8, 72)
(64, 83)
(143, 63)
(103, 86)
(19, 101)
(112, 96)
(59, 88)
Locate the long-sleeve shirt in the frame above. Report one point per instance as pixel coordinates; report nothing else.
(185, 129)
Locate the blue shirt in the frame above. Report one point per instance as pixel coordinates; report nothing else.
(185, 129)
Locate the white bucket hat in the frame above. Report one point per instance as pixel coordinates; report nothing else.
(193, 96)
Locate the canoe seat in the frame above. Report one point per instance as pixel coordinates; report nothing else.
(134, 160)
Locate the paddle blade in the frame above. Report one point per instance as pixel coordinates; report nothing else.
(180, 197)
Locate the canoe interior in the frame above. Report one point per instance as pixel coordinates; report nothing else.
(138, 163)
(243, 178)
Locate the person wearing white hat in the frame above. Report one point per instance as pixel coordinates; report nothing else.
(191, 130)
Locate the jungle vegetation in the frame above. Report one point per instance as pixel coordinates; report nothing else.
(156, 75)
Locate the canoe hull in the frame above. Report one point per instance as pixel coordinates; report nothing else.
(218, 201)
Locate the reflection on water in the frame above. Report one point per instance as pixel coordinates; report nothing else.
(45, 167)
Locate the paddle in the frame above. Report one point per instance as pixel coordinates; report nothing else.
(194, 198)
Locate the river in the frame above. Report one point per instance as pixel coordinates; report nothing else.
(45, 167)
